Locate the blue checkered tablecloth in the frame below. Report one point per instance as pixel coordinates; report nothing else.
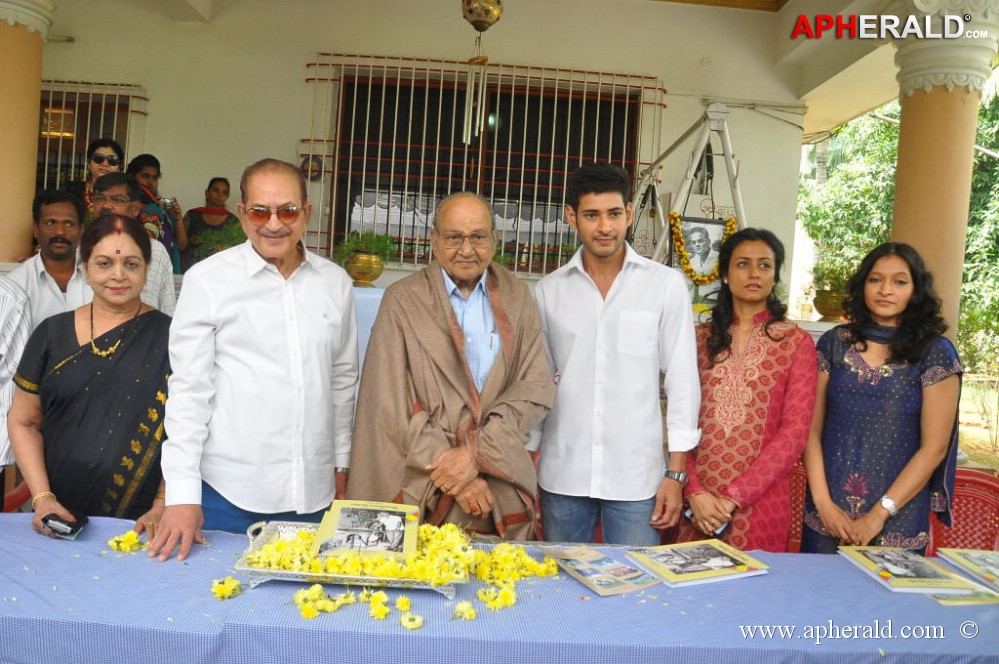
(63, 601)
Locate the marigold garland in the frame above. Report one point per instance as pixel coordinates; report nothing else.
(443, 555)
(680, 247)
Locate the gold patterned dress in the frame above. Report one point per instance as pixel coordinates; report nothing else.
(756, 409)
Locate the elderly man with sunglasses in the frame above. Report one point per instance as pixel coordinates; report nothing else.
(455, 378)
(263, 349)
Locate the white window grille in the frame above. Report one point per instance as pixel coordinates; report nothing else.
(387, 143)
(74, 113)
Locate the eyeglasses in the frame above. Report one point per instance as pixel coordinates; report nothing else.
(100, 199)
(477, 240)
(287, 214)
(111, 159)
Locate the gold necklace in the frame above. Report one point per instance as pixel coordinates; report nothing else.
(110, 351)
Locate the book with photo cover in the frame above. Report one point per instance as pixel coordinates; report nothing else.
(983, 566)
(905, 571)
(599, 572)
(361, 526)
(704, 561)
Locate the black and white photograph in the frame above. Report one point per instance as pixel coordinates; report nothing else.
(702, 238)
(692, 559)
(367, 529)
(903, 564)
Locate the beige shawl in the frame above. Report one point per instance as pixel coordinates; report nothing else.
(417, 398)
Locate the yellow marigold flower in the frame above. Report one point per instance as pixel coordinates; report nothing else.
(379, 610)
(309, 611)
(226, 588)
(346, 598)
(366, 594)
(487, 594)
(463, 611)
(403, 604)
(127, 542)
(379, 597)
(411, 621)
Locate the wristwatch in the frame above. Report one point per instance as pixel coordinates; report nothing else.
(341, 469)
(889, 505)
(676, 476)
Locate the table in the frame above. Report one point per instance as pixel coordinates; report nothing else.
(63, 601)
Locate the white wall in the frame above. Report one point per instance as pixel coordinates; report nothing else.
(228, 92)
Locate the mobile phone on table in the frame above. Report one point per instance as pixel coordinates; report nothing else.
(63, 528)
(719, 531)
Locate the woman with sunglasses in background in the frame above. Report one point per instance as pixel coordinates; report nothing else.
(104, 155)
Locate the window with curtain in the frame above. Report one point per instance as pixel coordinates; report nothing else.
(395, 135)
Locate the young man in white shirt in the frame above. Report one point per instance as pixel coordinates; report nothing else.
(263, 348)
(613, 322)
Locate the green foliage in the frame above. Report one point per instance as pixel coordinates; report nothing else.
(368, 242)
(851, 212)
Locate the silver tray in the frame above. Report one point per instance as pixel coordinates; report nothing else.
(263, 533)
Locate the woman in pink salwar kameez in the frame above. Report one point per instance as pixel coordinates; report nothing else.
(758, 376)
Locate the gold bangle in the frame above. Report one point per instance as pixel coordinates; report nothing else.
(38, 496)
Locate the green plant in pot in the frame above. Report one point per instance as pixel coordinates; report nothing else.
(830, 277)
(363, 255)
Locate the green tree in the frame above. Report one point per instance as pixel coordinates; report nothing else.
(850, 212)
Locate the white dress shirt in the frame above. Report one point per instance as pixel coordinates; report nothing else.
(44, 297)
(262, 393)
(15, 327)
(604, 435)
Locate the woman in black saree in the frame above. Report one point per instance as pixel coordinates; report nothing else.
(86, 423)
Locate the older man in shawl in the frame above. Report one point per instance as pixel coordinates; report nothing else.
(455, 377)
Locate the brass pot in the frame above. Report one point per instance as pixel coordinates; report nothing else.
(364, 269)
(829, 303)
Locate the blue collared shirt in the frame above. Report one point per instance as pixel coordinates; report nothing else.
(475, 317)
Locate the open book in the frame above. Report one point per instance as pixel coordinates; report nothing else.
(352, 526)
(904, 571)
(704, 561)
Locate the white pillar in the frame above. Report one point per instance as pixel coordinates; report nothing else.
(940, 82)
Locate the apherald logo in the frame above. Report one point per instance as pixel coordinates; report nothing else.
(876, 26)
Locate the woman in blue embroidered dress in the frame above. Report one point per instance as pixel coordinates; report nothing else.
(883, 443)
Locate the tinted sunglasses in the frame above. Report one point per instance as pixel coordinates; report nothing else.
(287, 214)
(111, 159)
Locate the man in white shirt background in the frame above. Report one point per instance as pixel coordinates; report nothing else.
(15, 326)
(119, 193)
(263, 349)
(53, 279)
(613, 322)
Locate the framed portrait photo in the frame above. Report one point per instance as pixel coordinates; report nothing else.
(702, 238)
